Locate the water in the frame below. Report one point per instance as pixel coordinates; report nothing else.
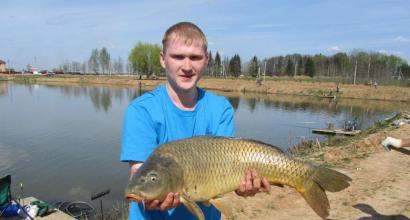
(63, 142)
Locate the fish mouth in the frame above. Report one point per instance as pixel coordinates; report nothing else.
(131, 197)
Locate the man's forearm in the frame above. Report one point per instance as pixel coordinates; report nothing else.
(405, 142)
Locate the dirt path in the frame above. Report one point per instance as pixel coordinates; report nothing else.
(380, 189)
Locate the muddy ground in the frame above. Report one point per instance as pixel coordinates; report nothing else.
(380, 188)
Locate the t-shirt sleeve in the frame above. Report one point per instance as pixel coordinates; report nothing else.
(226, 122)
(139, 137)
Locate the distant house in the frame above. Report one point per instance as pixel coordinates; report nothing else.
(2, 66)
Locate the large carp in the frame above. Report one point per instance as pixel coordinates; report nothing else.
(203, 168)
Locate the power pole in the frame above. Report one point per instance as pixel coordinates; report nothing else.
(274, 68)
(368, 68)
(259, 73)
(354, 76)
(264, 72)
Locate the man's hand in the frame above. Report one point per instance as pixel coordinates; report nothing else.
(251, 184)
(171, 201)
(391, 142)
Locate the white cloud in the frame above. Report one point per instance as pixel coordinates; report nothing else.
(390, 52)
(333, 49)
(402, 39)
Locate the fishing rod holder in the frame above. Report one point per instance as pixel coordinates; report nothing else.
(99, 195)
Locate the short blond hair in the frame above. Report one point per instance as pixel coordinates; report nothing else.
(186, 31)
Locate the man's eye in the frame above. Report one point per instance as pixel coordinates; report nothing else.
(195, 58)
(178, 57)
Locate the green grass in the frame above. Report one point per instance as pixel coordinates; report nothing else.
(25, 79)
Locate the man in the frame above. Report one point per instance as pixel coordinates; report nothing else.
(396, 143)
(179, 110)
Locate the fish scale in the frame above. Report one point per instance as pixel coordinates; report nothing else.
(204, 168)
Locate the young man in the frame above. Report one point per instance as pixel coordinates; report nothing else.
(176, 110)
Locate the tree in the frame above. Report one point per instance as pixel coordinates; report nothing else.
(235, 65)
(289, 67)
(310, 67)
(254, 66)
(210, 64)
(144, 58)
(104, 58)
(217, 63)
(93, 62)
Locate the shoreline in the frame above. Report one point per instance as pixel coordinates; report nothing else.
(278, 86)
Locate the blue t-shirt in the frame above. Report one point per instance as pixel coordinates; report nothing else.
(153, 119)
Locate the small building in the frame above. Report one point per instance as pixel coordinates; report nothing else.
(34, 71)
(2, 66)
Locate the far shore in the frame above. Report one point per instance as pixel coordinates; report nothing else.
(282, 86)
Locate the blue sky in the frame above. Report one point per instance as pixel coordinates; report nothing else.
(46, 33)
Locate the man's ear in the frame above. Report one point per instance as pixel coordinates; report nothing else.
(161, 59)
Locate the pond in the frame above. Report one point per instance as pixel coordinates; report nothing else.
(63, 142)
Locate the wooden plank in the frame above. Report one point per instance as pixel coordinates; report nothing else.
(56, 215)
(336, 131)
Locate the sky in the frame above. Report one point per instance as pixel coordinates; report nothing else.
(46, 33)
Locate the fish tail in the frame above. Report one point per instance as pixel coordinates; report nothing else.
(316, 197)
(330, 180)
(322, 180)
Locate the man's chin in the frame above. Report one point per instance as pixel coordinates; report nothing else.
(187, 85)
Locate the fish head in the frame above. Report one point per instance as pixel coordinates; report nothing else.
(154, 180)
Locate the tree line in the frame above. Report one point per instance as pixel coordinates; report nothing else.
(358, 65)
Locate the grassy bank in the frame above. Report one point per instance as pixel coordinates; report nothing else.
(276, 85)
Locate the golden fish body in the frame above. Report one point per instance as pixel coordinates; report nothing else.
(204, 168)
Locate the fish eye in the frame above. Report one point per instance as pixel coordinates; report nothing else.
(153, 177)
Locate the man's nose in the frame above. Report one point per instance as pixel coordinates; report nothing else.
(187, 65)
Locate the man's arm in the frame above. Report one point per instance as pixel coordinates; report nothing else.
(394, 142)
(405, 142)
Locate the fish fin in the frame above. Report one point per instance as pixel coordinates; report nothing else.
(225, 209)
(331, 180)
(316, 197)
(278, 184)
(192, 207)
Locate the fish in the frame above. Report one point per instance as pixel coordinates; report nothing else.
(204, 168)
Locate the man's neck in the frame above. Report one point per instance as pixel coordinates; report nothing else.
(184, 100)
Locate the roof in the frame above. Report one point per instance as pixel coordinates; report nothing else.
(2, 62)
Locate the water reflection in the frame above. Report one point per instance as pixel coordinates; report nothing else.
(3, 88)
(101, 97)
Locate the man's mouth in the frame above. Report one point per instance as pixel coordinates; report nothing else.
(187, 76)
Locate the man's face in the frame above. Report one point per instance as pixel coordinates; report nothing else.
(183, 64)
